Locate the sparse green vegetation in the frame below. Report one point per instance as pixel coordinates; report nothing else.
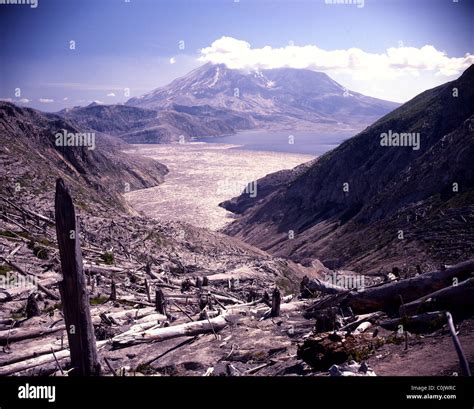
(38, 250)
(108, 258)
(4, 269)
(100, 299)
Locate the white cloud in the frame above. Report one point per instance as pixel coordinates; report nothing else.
(65, 98)
(111, 94)
(6, 99)
(361, 65)
(24, 100)
(172, 60)
(45, 100)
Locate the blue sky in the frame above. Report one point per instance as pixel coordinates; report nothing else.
(135, 45)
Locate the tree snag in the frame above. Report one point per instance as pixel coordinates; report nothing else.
(73, 289)
(276, 301)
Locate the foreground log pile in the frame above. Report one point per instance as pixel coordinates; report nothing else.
(132, 297)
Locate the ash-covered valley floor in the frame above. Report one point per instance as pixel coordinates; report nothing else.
(203, 175)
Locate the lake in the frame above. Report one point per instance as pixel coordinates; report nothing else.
(307, 143)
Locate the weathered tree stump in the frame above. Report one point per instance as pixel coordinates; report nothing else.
(32, 309)
(276, 301)
(147, 289)
(113, 291)
(73, 289)
(160, 302)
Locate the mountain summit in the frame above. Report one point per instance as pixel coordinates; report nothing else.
(274, 98)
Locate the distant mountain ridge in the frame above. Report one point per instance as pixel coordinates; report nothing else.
(284, 98)
(139, 125)
(349, 207)
(214, 100)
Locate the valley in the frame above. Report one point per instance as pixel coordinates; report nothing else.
(202, 175)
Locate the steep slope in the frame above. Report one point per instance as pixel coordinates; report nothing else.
(390, 189)
(277, 98)
(32, 160)
(138, 125)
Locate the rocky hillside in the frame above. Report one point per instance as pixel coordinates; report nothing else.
(364, 206)
(283, 98)
(99, 172)
(167, 298)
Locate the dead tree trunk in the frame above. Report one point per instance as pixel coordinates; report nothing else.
(458, 299)
(32, 309)
(387, 297)
(113, 291)
(160, 301)
(147, 290)
(276, 301)
(73, 289)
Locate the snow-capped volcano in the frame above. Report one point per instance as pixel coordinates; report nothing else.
(271, 97)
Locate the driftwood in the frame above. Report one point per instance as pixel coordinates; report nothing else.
(458, 299)
(160, 334)
(73, 287)
(387, 297)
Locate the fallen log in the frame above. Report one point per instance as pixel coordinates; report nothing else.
(132, 314)
(19, 334)
(30, 213)
(387, 297)
(458, 299)
(418, 324)
(160, 334)
(361, 319)
(23, 273)
(32, 362)
(315, 284)
(38, 361)
(21, 352)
